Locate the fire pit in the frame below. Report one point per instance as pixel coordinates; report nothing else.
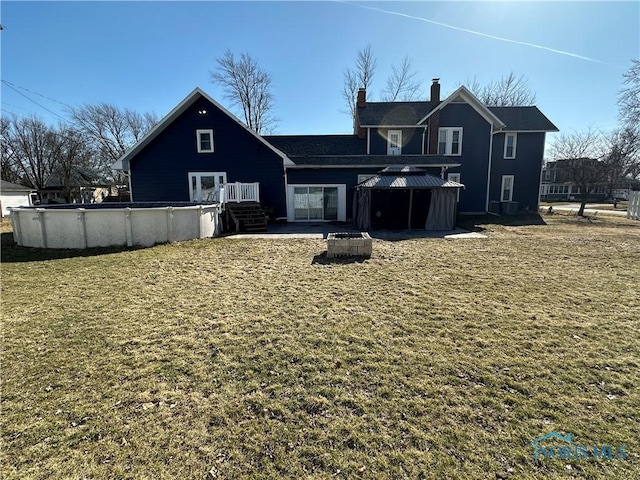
(348, 245)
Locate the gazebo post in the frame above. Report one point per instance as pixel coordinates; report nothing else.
(410, 206)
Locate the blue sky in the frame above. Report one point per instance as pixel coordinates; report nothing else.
(150, 55)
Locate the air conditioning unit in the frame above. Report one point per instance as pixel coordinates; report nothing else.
(510, 208)
(494, 206)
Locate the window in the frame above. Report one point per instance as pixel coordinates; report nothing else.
(394, 142)
(455, 177)
(510, 145)
(316, 202)
(206, 186)
(506, 194)
(204, 140)
(364, 176)
(450, 141)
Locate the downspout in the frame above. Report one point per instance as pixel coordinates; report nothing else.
(128, 174)
(286, 192)
(544, 139)
(368, 140)
(424, 133)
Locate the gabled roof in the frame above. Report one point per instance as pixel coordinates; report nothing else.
(463, 94)
(393, 113)
(318, 144)
(390, 114)
(14, 187)
(407, 177)
(368, 161)
(524, 119)
(78, 177)
(196, 94)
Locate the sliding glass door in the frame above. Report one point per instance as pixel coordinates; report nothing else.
(317, 203)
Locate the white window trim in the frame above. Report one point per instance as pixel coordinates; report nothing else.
(198, 175)
(362, 177)
(515, 144)
(455, 177)
(389, 146)
(342, 200)
(198, 144)
(505, 177)
(449, 143)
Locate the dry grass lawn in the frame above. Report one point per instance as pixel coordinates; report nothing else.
(232, 358)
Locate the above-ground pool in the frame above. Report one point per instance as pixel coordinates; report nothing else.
(113, 224)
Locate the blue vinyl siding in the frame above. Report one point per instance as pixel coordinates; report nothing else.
(526, 168)
(160, 171)
(411, 140)
(323, 176)
(476, 136)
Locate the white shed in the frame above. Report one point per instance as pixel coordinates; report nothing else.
(13, 195)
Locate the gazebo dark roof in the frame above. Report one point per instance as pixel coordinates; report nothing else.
(407, 177)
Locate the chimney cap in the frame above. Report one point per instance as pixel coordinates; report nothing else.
(435, 80)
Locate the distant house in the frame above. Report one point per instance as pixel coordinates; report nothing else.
(558, 183)
(200, 152)
(14, 195)
(83, 185)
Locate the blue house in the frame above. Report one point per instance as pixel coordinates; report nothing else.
(200, 152)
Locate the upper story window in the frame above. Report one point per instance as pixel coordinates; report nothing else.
(450, 141)
(394, 142)
(510, 140)
(204, 140)
(363, 177)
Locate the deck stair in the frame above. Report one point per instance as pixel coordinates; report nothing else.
(246, 217)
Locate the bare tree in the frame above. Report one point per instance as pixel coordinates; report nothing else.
(509, 91)
(360, 76)
(7, 154)
(622, 156)
(629, 100)
(580, 159)
(32, 150)
(111, 130)
(401, 84)
(249, 87)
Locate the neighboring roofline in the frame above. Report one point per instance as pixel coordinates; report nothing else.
(380, 165)
(15, 187)
(472, 100)
(123, 162)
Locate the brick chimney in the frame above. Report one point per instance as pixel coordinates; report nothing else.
(360, 103)
(435, 91)
(434, 119)
(362, 98)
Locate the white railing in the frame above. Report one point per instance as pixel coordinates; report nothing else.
(633, 210)
(241, 192)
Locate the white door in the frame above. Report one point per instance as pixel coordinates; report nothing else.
(394, 142)
(204, 187)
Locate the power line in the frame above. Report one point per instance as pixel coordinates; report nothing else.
(8, 84)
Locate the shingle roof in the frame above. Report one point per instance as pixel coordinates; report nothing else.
(371, 160)
(407, 177)
(393, 113)
(14, 187)
(410, 113)
(523, 118)
(318, 144)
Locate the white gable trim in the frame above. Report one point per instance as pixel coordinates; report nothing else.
(472, 100)
(123, 162)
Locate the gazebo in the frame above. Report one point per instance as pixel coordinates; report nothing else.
(406, 197)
